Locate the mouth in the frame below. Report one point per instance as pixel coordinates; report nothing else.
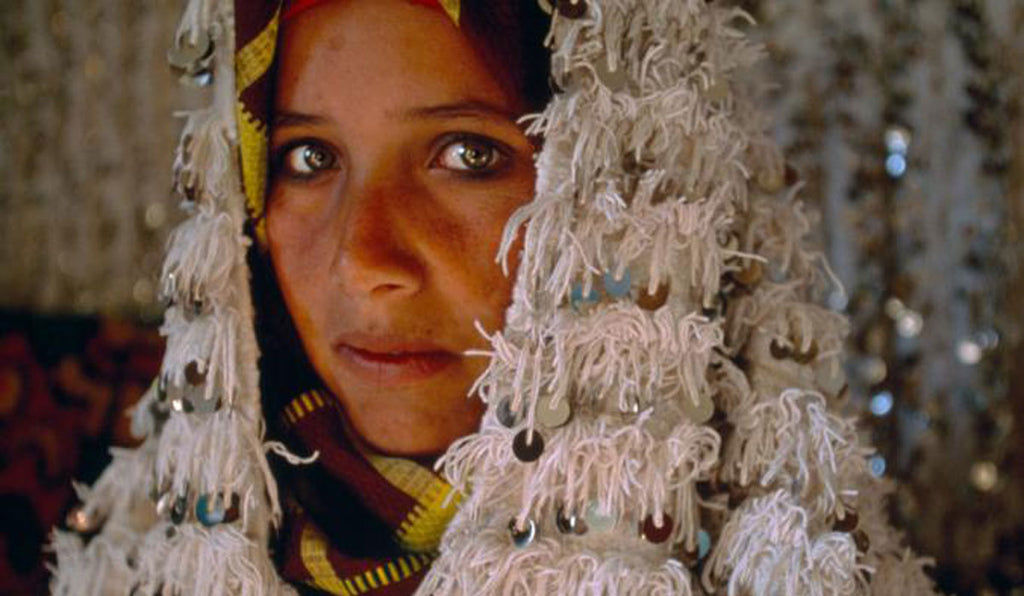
(393, 361)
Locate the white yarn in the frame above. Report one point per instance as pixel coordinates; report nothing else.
(484, 562)
(794, 442)
(615, 356)
(768, 548)
(205, 562)
(644, 467)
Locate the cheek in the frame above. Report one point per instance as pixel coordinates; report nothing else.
(492, 287)
(299, 259)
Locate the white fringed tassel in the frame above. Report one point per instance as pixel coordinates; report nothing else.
(484, 562)
(205, 562)
(796, 442)
(767, 547)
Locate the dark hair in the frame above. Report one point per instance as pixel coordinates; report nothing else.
(510, 35)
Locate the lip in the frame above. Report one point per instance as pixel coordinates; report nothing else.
(392, 360)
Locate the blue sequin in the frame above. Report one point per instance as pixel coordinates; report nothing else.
(703, 543)
(210, 516)
(617, 288)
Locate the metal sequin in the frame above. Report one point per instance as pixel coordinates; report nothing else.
(527, 451)
(504, 413)
(596, 520)
(653, 301)
(193, 374)
(778, 350)
(80, 521)
(551, 414)
(572, 9)
(185, 53)
(522, 537)
(617, 288)
(652, 532)
(210, 511)
(569, 524)
(179, 509)
(848, 523)
(700, 411)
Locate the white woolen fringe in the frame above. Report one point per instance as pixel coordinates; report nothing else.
(483, 561)
(216, 453)
(202, 252)
(614, 356)
(768, 547)
(98, 569)
(119, 500)
(640, 468)
(793, 442)
(203, 162)
(206, 562)
(212, 454)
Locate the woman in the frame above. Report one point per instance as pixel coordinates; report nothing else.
(396, 158)
(664, 388)
(381, 156)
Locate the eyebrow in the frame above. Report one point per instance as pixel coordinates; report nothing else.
(284, 118)
(470, 108)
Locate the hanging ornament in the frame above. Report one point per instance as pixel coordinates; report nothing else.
(617, 288)
(522, 537)
(597, 520)
(179, 509)
(653, 301)
(703, 543)
(577, 300)
(572, 9)
(614, 80)
(187, 52)
(698, 410)
(504, 413)
(750, 275)
(194, 374)
(527, 449)
(847, 523)
(210, 510)
(551, 414)
(569, 523)
(81, 521)
(654, 533)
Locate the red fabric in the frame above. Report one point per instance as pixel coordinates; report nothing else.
(322, 430)
(294, 7)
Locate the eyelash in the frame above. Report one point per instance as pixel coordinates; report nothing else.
(280, 159)
(501, 154)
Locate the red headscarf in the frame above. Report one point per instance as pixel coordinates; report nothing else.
(450, 7)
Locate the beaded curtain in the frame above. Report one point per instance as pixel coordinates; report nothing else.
(918, 233)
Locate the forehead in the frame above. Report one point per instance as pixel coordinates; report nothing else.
(368, 54)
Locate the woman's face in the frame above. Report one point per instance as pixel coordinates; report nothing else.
(395, 163)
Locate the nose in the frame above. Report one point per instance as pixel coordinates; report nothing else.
(376, 254)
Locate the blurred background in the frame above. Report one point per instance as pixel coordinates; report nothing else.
(902, 117)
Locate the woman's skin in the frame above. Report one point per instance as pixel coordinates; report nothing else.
(396, 162)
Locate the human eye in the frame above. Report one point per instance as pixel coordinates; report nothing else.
(471, 155)
(304, 159)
